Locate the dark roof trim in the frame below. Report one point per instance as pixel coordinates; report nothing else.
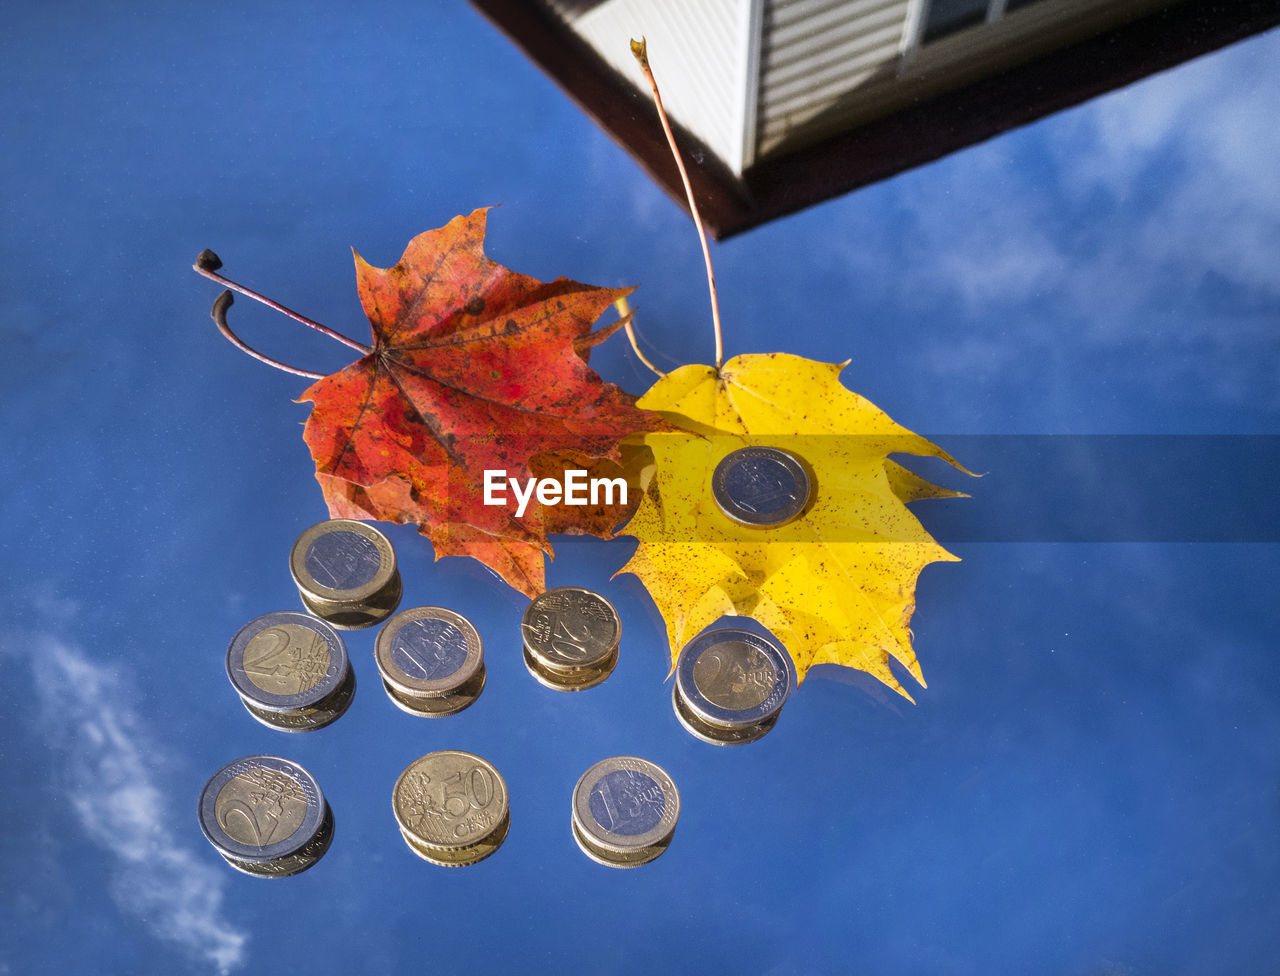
(884, 147)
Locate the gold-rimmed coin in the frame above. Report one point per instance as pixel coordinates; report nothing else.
(439, 707)
(451, 807)
(347, 616)
(612, 859)
(764, 487)
(346, 572)
(625, 811)
(431, 661)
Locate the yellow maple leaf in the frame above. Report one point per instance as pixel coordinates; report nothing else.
(837, 584)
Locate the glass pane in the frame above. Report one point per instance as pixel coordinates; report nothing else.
(948, 16)
(1088, 783)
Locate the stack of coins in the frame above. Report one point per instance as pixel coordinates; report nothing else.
(570, 638)
(624, 811)
(761, 486)
(731, 685)
(266, 816)
(346, 573)
(451, 807)
(291, 671)
(431, 661)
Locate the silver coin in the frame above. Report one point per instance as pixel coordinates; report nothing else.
(261, 809)
(346, 572)
(761, 486)
(429, 652)
(286, 662)
(625, 811)
(570, 628)
(733, 679)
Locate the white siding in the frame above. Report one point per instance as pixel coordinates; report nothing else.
(814, 52)
(753, 78)
(694, 51)
(828, 65)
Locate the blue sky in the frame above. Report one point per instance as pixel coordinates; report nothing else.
(1091, 781)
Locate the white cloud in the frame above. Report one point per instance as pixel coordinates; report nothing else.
(974, 232)
(1222, 211)
(1202, 141)
(1172, 176)
(1145, 222)
(111, 764)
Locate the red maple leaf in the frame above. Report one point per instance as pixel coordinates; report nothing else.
(474, 367)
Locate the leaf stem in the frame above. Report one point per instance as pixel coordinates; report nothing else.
(208, 263)
(624, 307)
(641, 51)
(219, 313)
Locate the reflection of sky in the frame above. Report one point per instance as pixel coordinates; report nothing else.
(1090, 782)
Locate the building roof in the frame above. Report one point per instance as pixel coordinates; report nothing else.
(780, 104)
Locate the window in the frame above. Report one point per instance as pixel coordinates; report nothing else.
(948, 16)
(942, 18)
